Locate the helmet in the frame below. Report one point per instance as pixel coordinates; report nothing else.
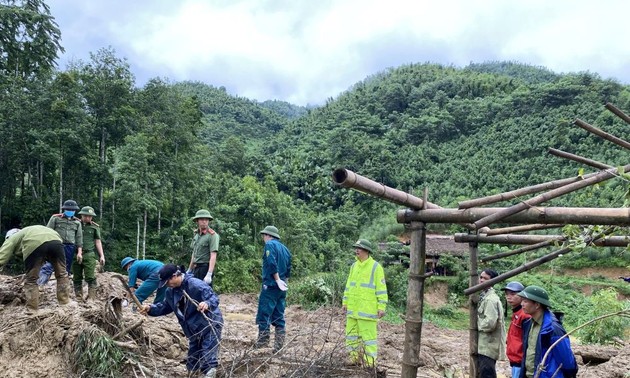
(126, 261)
(514, 286)
(203, 213)
(11, 232)
(536, 294)
(364, 244)
(70, 205)
(271, 231)
(87, 210)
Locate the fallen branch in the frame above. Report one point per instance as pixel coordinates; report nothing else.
(124, 331)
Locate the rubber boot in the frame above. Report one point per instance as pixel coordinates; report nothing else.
(32, 298)
(263, 340)
(278, 341)
(62, 291)
(78, 293)
(91, 293)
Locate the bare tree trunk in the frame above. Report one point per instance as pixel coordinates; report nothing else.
(113, 203)
(60, 182)
(138, 241)
(159, 225)
(102, 156)
(144, 237)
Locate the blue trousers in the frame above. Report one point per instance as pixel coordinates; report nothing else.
(148, 287)
(271, 306)
(203, 351)
(47, 270)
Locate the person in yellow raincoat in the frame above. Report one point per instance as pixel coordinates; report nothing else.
(364, 301)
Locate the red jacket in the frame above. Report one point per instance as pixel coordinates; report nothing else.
(514, 348)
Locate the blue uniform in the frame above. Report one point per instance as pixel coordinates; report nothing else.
(147, 271)
(272, 301)
(203, 336)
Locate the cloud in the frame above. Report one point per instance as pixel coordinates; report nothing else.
(305, 52)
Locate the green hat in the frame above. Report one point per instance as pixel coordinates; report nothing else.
(364, 244)
(87, 210)
(536, 294)
(203, 213)
(271, 231)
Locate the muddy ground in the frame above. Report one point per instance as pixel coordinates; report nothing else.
(53, 342)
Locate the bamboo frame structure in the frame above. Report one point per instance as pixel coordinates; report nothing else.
(511, 239)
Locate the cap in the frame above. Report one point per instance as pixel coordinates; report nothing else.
(536, 294)
(514, 286)
(271, 231)
(166, 272)
(364, 244)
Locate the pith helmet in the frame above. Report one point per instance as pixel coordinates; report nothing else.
(536, 294)
(364, 244)
(202, 214)
(87, 210)
(272, 231)
(70, 205)
(514, 286)
(126, 261)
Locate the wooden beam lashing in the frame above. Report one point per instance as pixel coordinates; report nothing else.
(524, 228)
(616, 111)
(518, 251)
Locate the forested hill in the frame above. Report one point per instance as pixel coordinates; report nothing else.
(463, 133)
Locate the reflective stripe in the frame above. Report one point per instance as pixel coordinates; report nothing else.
(384, 302)
(381, 292)
(367, 315)
(349, 312)
(371, 284)
(353, 284)
(349, 337)
(370, 354)
(371, 342)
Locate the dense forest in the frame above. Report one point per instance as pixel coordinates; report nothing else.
(147, 158)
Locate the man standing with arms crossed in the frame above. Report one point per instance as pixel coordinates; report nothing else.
(204, 245)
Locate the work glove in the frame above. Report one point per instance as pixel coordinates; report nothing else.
(282, 285)
(208, 278)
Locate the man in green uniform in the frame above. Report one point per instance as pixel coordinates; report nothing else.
(69, 228)
(364, 301)
(36, 244)
(85, 264)
(205, 245)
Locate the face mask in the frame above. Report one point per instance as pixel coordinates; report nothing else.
(68, 213)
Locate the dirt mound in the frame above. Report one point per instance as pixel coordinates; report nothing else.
(88, 339)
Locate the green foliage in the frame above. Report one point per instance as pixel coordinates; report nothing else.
(320, 290)
(603, 302)
(95, 354)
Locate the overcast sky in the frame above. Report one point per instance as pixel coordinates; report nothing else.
(306, 51)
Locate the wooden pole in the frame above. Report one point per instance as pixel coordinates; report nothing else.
(511, 239)
(525, 228)
(548, 215)
(348, 179)
(415, 301)
(473, 301)
(579, 159)
(547, 196)
(517, 251)
(618, 112)
(599, 132)
(507, 196)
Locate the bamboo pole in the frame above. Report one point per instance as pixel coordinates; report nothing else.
(601, 133)
(579, 159)
(549, 215)
(531, 247)
(511, 239)
(617, 112)
(415, 301)
(525, 228)
(348, 179)
(599, 177)
(506, 196)
(473, 302)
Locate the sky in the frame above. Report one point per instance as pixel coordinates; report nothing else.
(305, 51)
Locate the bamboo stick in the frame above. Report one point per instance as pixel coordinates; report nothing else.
(599, 177)
(511, 239)
(506, 196)
(579, 159)
(525, 228)
(618, 112)
(547, 215)
(348, 179)
(518, 251)
(601, 133)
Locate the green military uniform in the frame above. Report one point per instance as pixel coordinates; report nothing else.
(91, 233)
(36, 244)
(68, 228)
(203, 243)
(364, 296)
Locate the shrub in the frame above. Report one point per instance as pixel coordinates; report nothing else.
(603, 331)
(322, 290)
